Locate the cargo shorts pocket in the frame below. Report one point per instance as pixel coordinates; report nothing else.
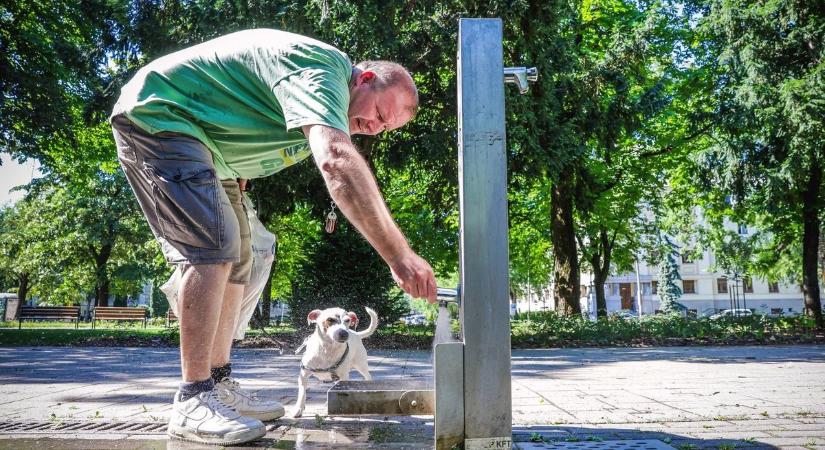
(187, 202)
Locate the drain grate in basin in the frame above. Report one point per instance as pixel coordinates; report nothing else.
(82, 427)
(643, 444)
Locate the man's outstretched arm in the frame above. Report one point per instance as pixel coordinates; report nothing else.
(354, 189)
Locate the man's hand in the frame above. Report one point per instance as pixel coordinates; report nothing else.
(414, 275)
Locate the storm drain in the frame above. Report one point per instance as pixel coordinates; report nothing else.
(643, 444)
(82, 427)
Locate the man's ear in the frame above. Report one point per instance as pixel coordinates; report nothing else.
(313, 315)
(367, 76)
(353, 320)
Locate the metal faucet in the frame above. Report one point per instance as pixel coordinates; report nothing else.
(521, 76)
(447, 295)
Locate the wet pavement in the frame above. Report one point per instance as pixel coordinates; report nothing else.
(695, 397)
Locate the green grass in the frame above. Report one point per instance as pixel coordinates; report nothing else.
(105, 333)
(84, 336)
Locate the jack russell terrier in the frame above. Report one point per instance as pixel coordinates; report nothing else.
(333, 350)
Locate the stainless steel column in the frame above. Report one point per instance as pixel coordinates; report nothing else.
(482, 166)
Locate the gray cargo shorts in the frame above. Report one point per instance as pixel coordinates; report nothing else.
(196, 218)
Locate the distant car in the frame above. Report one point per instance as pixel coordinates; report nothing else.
(625, 314)
(741, 312)
(414, 319)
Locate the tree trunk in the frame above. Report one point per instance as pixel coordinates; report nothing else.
(565, 256)
(598, 286)
(810, 244)
(601, 268)
(266, 305)
(23, 281)
(822, 254)
(102, 293)
(101, 277)
(599, 277)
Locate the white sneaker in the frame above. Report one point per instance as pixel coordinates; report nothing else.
(205, 419)
(247, 403)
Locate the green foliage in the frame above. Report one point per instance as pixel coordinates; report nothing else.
(668, 291)
(343, 271)
(160, 305)
(763, 166)
(548, 329)
(52, 54)
(715, 103)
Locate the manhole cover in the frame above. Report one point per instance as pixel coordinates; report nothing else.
(82, 427)
(646, 444)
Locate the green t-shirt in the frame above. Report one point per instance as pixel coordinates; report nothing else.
(245, 95)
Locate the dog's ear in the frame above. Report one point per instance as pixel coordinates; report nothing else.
(313, 315)
(353, 320)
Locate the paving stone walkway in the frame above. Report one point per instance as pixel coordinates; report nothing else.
(697, 397)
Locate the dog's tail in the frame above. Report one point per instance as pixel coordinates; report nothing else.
(372, 326)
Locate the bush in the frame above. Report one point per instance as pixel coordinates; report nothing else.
(548, 329)
(160, 305)
(344, 271)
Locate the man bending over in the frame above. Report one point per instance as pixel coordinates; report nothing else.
(191, 127)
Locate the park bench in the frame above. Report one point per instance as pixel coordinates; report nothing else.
(170, 317)
(49, 313)
(118, 313)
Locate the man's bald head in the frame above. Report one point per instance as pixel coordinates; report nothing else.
(392, 75)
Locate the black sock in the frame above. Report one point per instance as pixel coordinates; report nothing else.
(219, 373)
(190, 389)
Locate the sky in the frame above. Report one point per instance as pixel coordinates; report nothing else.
(13, 174)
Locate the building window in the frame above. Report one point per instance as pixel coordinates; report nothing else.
(653, 285)
(743, 229)
(747, 285)
(721, 285)
(776, 311)
(686, 258)
(689, 286)
(773, 288)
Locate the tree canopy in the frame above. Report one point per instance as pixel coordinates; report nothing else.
(644, 112)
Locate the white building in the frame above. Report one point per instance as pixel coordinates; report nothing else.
(705, 291)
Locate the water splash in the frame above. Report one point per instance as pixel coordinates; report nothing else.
(443, 330)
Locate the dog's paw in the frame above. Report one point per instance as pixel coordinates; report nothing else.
(296, 413)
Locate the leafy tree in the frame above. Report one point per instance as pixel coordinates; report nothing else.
(51, 52)
(531, 265)
(19, 247)
(600, 125)
(91, 235)
(764, 166)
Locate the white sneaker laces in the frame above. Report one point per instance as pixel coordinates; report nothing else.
(234, 386)
(214, 401)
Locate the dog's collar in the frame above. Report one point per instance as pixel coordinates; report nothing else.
(332, 368)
